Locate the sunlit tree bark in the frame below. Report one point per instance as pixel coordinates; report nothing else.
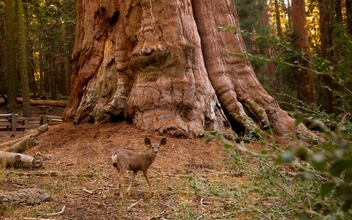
(277, 16)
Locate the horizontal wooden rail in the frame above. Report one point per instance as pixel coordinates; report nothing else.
(14, 121)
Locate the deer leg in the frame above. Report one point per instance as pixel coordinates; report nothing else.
(146, 177)
(132, 180)
(121, 178)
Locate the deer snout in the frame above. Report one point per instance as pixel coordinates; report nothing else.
(156, 149)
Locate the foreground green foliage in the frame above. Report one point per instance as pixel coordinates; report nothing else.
(306, 181)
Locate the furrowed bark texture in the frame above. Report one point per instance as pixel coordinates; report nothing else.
(31, 196)
(142, 61)
(164, 66)
(236, 85)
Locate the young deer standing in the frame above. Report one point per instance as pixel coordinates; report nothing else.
(125, 160)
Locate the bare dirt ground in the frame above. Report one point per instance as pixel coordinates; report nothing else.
(189, 176)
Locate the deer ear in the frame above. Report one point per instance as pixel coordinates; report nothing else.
(162, 142)
(147, 141)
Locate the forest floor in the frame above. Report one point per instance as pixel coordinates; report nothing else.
(192, 179)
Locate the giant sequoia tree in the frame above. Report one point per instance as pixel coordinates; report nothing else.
(164, 66)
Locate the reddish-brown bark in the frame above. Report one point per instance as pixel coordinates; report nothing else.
(164, 66)
(305, 81)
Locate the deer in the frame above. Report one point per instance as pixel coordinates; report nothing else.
(124, 160)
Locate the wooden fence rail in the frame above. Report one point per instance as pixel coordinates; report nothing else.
(14, 121)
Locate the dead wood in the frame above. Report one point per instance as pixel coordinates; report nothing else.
(22, 144)
(50, 173)
(134, 204)
(56, 103)
(56, 213)
(31, 196)
(14, 141)
(18, 160)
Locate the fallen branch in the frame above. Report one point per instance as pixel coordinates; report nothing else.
(34, 173)
(134, 204)
(87, 191)
(17, 160)
(159, 216)
(26, 218)
(56, 213)
(202, 202)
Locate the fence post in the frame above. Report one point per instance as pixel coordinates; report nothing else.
(13, 121)
(44, 119)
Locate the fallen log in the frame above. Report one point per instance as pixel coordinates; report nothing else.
(21, 144)
(56, 103)
(50, 173)
(24, 144)
(14, 141)
(17, 160)
(31, 196)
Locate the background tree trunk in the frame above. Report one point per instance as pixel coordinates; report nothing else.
(304, 76)
(11, 70)
(278, 19)
(349, 16)
(326, 22)
(164, 66)
(22, 59)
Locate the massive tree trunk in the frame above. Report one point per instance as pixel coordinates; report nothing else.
(164, 66)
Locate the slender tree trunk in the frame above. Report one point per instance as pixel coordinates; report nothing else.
(270, 67)
(278, 19)
(52, 79)
(11, 70)
(67, 69)
(41, 75)
(349, 16)
(31, 74)
(327, 51)
(338, 10)
(305, 81)
(22, 58)
(289, 15)
(164, 66)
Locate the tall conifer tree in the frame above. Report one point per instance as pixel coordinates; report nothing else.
(22, 58)
(11, 73)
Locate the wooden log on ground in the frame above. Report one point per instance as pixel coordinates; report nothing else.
(24, 144)
(43, 128)
(31, 196)
(56, 103)
(17, 160)
(14, 141)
